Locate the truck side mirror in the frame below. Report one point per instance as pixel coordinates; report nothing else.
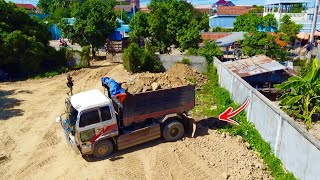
(58, 119)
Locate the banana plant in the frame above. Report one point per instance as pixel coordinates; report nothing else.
(301, 97)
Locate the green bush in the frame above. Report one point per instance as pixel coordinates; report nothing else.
(132, 58)
(186, 61)
(24, 44)
(139, 60)
(85, 56)
(150, 62)
(192, 52)
(210, 50)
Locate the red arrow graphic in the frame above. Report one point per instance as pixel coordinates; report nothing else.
(227, 114)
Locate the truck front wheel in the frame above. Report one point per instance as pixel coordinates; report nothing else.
(103, 148)
(173, 131)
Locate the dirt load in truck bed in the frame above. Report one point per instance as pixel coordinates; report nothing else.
(178, 75)
(33, 145)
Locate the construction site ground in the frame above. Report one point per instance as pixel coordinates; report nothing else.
(33, 145)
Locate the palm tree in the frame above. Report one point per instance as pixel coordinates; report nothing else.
(302, 95)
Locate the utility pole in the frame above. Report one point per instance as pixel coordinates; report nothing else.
(121, 11)
(314, 21)
(313, 28)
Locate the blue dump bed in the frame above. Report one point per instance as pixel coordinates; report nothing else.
(155, 104)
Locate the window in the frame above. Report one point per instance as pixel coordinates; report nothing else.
(105, 113)
(89, 118)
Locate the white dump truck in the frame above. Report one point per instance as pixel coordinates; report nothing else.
(98, 125)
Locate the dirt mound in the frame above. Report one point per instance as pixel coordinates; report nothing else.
(178, 75)
(33, 145)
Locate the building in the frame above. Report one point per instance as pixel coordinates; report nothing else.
(207, 9)
(286, 7)
(225, 16)
(135, 3)
(31, 8)
(213, 36)
(129, 6)
(261, 72)
(223, 3)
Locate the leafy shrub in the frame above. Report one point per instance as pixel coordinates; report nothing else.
(138, 60)
(150, 62)
(210, 50)
(132, 58)
(24, 45)
(186, 61)
(192, 52)
(85, 56)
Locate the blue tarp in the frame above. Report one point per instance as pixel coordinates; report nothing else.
(55, 32)
(267, 28)
(118, 34)
(114, 87)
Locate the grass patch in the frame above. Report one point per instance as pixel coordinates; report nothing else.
(213, 95)
(51, 73)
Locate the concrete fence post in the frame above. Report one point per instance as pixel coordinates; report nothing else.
(232, 79)
(279, 134)
(250, 107)
(220, 70)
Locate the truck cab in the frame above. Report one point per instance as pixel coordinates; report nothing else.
(97, 125)
(91, 116)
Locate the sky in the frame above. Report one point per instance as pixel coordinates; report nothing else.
(196, 2)
(237, 2)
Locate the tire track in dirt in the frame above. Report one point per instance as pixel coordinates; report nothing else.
(38, 150)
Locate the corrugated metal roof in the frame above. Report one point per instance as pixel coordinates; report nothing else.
(232, 38)
(255, 65)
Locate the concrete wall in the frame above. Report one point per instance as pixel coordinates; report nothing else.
(292, 144)
(197, 62)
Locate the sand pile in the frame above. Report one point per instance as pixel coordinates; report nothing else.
(178, 75)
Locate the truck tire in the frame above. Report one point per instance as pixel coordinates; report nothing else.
(103, 149)
(173, 131)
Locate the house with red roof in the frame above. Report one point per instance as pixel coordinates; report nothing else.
(29, 7)
(225, 16)
(223, 3)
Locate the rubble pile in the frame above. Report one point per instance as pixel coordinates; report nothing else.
(178, 75)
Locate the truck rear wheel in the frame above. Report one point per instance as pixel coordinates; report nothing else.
(103, 149)
(173, 131)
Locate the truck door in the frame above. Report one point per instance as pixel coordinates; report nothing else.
(89, 125)
(109, 121)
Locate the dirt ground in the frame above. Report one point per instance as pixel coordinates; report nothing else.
(33, 145)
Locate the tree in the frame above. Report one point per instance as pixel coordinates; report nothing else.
(297, 8)
(258, 9)
(248, 22)
(95, 20)
(210, 50)
(189, 37)
(138, 60)
(45, 5)
(24, 43)
(125, 17)
(289, 28)
(301, 97)
(166, 23)
(139, 27)
(264, 43)
(269, 21)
